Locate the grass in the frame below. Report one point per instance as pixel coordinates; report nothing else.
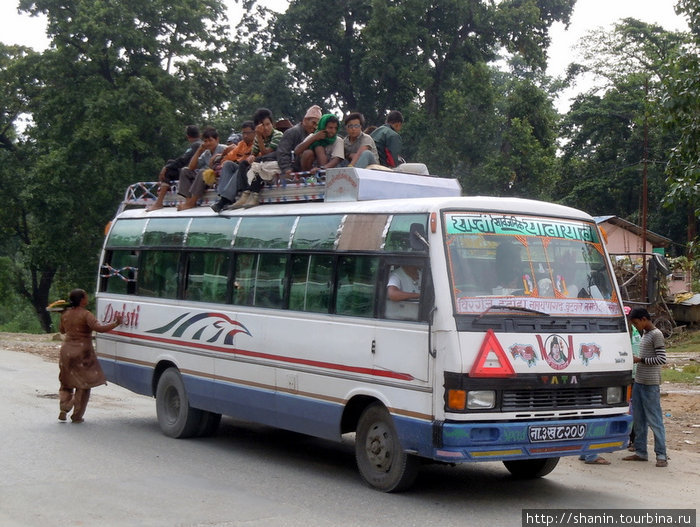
(685, 342)
(689, 374)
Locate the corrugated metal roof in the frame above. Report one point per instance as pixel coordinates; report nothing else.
(656, 239)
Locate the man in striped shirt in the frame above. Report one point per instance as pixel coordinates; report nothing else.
(646, 396)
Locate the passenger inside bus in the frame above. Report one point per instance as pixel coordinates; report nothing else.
(563, 272)
(509, 269)
(403, 293)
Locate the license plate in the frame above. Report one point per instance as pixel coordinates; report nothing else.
(540, 434)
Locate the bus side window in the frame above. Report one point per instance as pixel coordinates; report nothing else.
(244, 281)
(404, 284)
(119, 275)
(270, 280)
(260, 280)
(159, 274)
(311, 283)
(357, 276)
(207, 276)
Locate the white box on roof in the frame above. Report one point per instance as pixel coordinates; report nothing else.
(360, 184)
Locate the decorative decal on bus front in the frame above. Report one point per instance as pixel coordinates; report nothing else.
(203, 326)
(555, 351)
(518, 225)
(588, 352)
(525, 352)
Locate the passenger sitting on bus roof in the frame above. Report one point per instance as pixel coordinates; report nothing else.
(359, 148)
(262, 159)
(233, 159)
(403, 287)
(388, 140)
(290, 161)
(192, 185)
(323, 148)
(171, 170)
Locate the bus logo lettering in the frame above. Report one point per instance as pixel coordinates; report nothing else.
(130, 319)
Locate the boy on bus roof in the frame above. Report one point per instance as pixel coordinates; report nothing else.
(171, 171)
(388, 140)
(192, 185)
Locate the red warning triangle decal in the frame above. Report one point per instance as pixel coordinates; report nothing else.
(491, 361)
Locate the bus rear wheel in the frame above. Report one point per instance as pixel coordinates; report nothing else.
(531, 468)
(175, 415)
(380, 459)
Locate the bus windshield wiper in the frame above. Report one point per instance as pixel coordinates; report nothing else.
(512, 308)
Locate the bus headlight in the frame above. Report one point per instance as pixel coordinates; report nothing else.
(481, 399)
(614, 395)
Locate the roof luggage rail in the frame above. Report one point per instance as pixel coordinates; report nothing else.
(333, 184)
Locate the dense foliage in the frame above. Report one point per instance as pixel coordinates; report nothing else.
(106, 104)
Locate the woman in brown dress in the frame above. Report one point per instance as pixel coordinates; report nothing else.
(79, 369)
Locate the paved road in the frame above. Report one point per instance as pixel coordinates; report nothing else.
(118, 469)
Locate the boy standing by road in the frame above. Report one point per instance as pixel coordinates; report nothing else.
(646, 391)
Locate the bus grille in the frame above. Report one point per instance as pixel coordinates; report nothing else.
(518, 400)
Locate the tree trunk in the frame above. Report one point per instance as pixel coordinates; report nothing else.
(39, 295)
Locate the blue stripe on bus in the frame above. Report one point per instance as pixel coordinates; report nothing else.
(460, 442)
(247, 403)
(133, 377)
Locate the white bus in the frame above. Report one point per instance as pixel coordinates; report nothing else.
(517, 349)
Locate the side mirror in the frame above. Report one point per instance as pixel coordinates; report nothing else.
(418, 238)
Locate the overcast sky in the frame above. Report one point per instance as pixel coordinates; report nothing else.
(588, 15)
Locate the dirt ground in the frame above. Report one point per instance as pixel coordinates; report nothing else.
(680, 402)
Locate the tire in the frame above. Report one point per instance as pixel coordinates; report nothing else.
(531, 468)
(209, 424)
(380, 459)
(175, 415)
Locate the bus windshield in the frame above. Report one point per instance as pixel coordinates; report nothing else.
(549, 265)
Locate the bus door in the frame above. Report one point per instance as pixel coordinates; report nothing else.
(405, 303)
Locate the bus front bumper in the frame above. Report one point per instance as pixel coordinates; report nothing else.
(494, 441)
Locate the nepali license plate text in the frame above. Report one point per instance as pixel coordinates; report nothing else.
(556, 433)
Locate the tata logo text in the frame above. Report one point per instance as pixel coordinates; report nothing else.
(559, 379)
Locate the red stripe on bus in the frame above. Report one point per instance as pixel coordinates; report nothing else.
(258, 355)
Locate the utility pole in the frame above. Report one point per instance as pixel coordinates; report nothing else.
(645, 196)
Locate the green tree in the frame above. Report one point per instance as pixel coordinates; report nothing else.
(603, 132)
(110, 98)
(681, 101)
(377, 55)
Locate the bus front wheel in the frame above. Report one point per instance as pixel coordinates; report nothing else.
(380, 459)
(531, 468)
(175, 415)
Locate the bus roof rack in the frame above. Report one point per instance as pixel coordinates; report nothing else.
(335, 184)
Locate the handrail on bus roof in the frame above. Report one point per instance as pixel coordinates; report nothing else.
(339, 184)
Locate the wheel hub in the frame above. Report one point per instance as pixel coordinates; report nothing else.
(378, 447)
